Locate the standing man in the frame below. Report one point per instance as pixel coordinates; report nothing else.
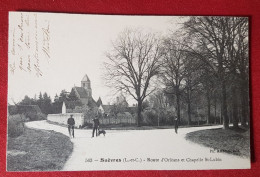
(176, 125)
(95, 126)
(71, 124)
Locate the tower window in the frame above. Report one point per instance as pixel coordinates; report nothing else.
(83, 84)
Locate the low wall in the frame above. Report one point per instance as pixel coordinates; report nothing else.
(63, 118)
(113, 120)
(117, 121)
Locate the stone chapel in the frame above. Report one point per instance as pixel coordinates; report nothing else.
(84, 93)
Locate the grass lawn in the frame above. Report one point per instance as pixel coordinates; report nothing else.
(38, 150)
(229, 141)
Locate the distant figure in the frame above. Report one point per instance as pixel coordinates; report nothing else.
(95, 126)
(71, 124)
(176, 125)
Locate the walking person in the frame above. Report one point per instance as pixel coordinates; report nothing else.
(176, 125)
(95, 126)
(71, 124)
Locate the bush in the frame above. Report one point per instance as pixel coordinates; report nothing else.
(128, 115)
(166, 116)
(33, 116)
(31, 112)
(12, 110)
(150, 117)
(15, 125)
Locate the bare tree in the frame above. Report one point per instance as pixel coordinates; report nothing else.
(159, 99)
(173, 70)
(237, 63)
(218, 38)
(132, 65)
(192, 78)
(243, 68)
(210, 35)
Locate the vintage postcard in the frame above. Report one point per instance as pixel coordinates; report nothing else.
(114, 92)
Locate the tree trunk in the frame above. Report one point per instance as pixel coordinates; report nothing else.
(178, 105)
(215, 108)
(244, 105)
(224, 105)
(234, 107)
(189, 108)
(208, 107)
(139, 113)
(189, 113)
(221, 114)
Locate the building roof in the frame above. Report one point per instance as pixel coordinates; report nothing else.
(82, 92)
(107, 108)
(92, 102)
(85, 78)
(99, 102)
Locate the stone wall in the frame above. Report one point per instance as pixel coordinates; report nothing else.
(121, 119)
(62, 118)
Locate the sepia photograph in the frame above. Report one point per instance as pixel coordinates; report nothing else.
(127, 92)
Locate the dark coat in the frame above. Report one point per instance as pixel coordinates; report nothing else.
(96, 122)
(71, 121)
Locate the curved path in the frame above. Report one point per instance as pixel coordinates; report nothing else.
(159, 149)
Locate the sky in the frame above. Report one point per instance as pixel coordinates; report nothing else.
(76, 45)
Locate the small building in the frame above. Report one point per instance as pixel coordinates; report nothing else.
(105, 110)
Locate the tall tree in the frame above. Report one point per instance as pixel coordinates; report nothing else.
(237, 57)
(222, 40)
(208, 82)
(64, 96)
(173, 69)
(27, 101)
(40, 100)
(46, 105)
(132, 65)
(158, 99)
(193, 71)
(210, 35)
(243, 67)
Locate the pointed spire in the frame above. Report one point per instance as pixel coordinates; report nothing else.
(85, 78)
(99, 102)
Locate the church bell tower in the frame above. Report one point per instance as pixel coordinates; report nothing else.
(85, 83)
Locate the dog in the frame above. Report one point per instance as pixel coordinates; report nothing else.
(100, 131)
